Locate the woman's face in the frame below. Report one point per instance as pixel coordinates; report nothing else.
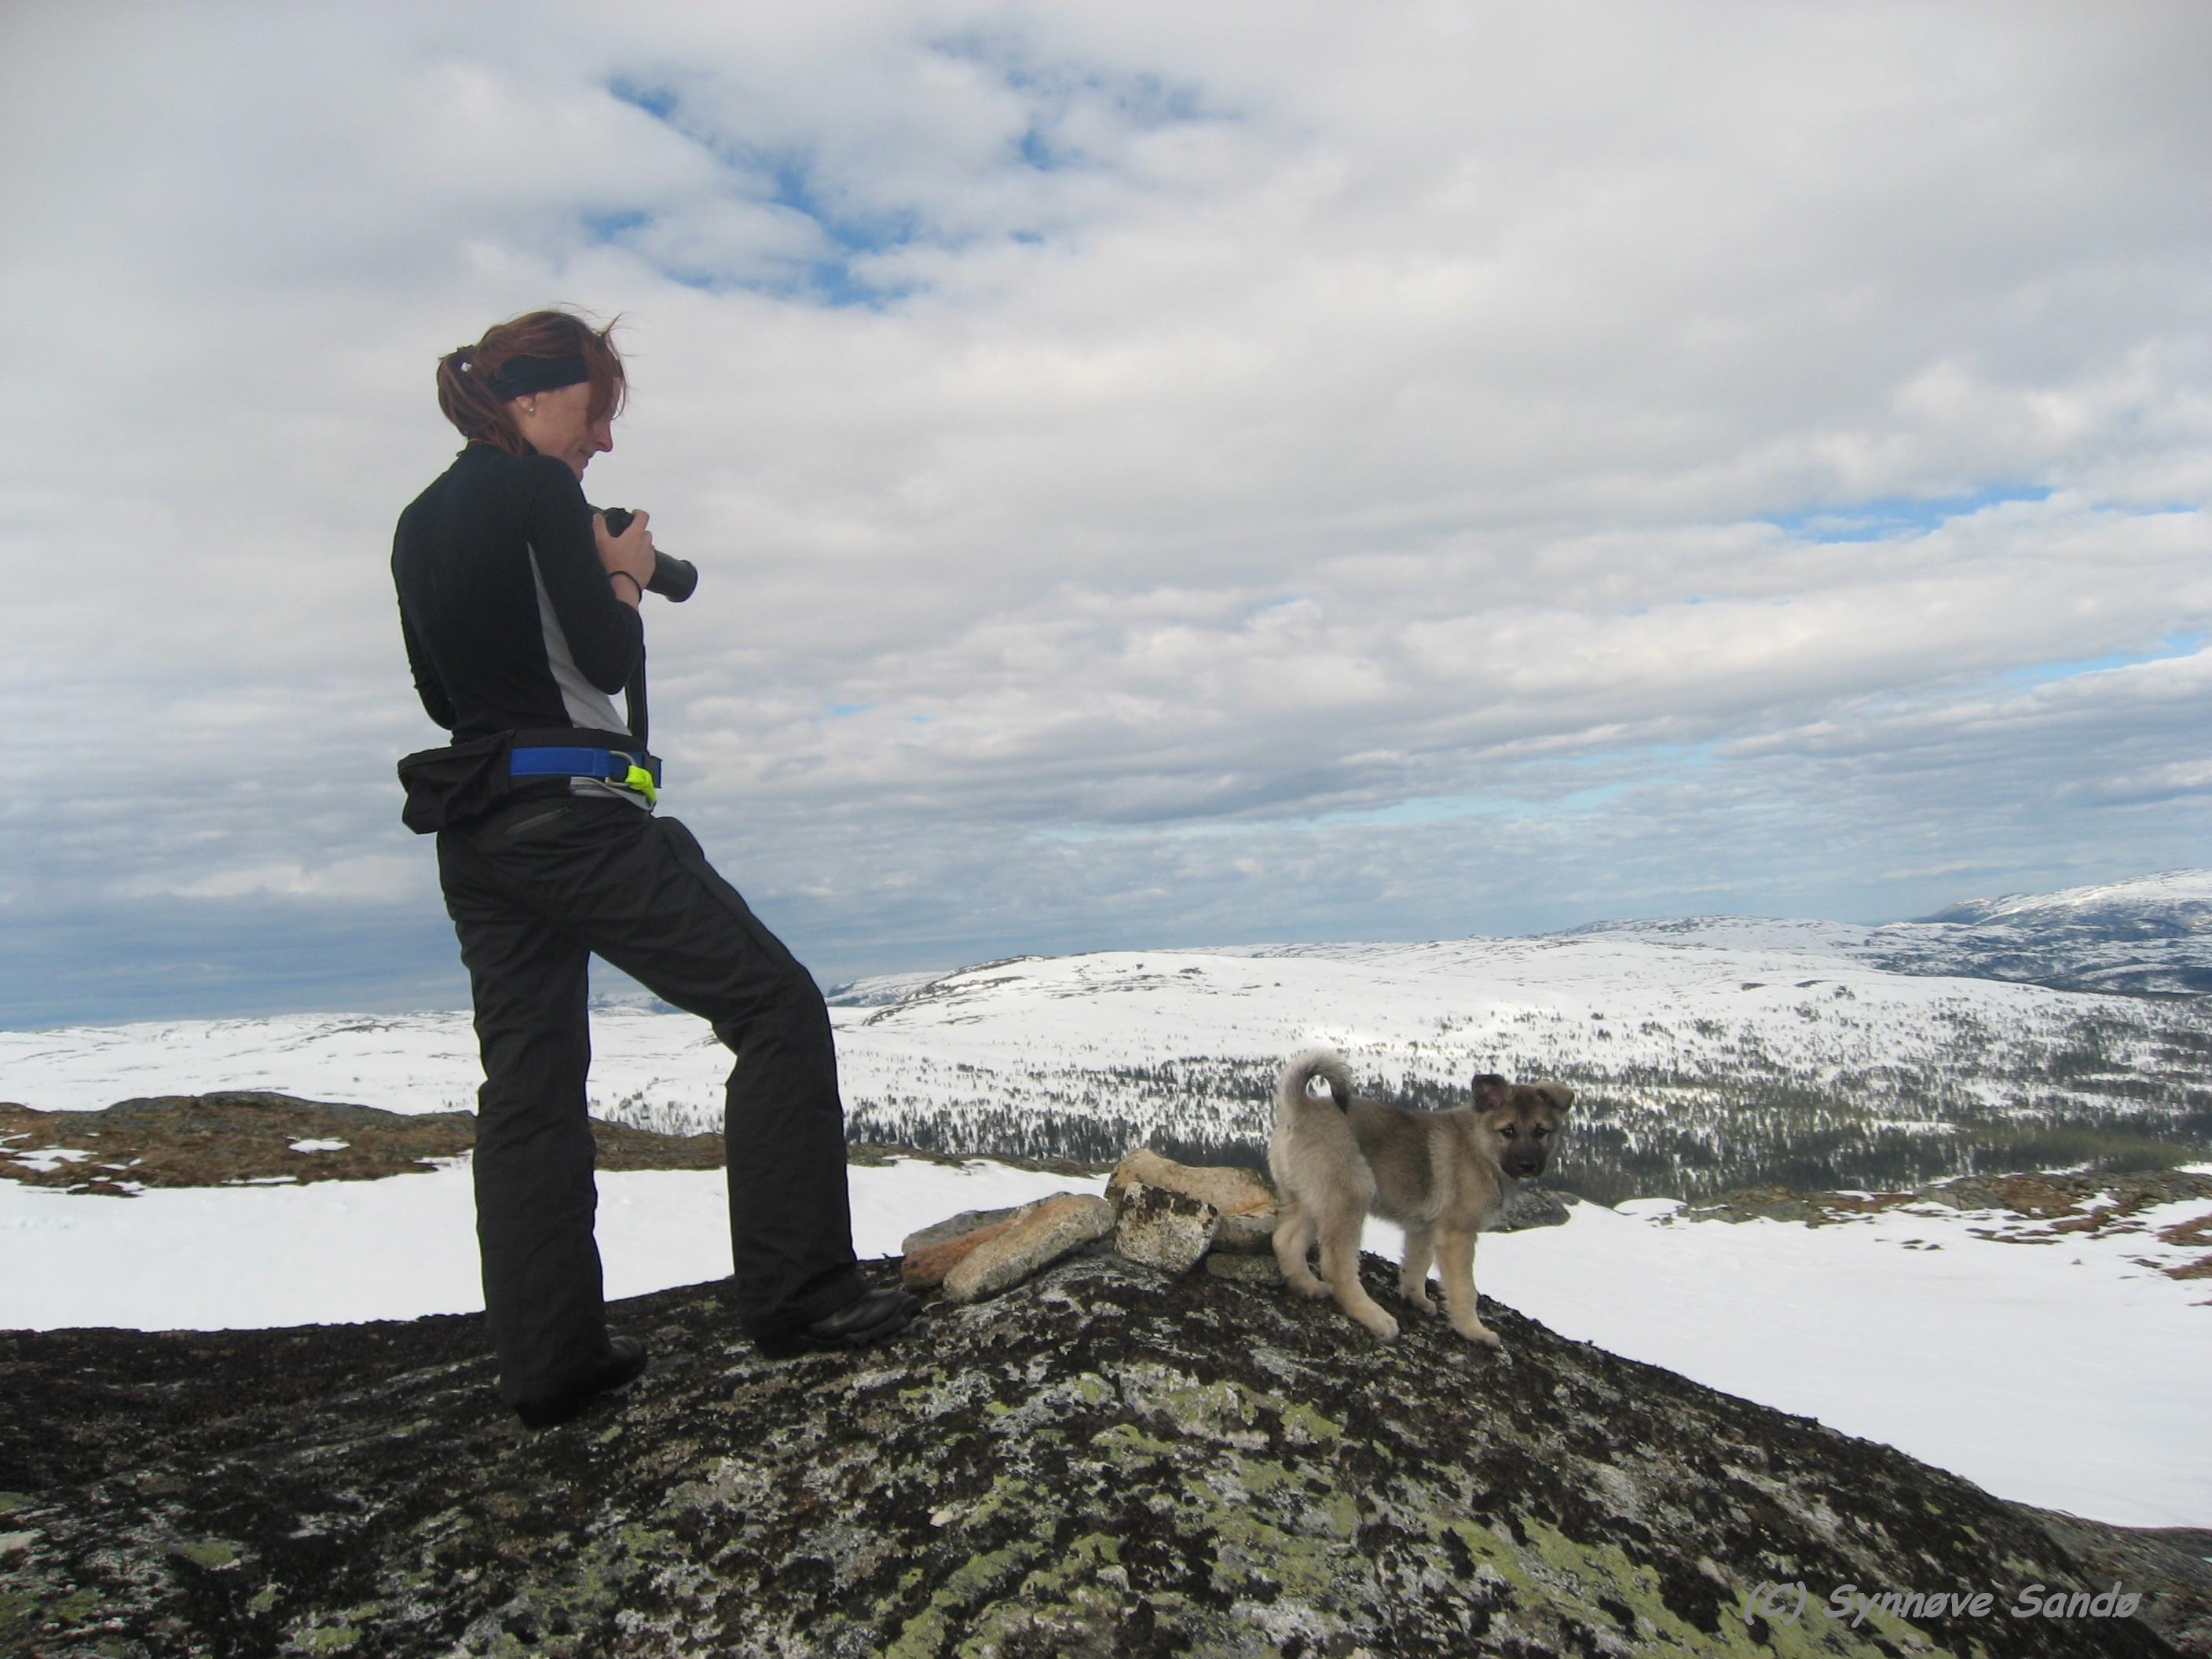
(559, 423)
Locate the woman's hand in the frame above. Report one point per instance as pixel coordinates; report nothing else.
(628, 556)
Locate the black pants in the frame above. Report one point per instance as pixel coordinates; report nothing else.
(535, 890)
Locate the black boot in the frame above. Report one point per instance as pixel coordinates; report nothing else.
(869, 1318)
(625, 1363)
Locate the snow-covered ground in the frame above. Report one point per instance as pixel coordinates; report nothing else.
(2070, 1375)
(334, 1252)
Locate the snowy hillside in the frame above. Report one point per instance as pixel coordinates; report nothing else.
(1707, 1052)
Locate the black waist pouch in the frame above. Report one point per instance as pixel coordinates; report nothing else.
(450, 786)
(466, 779)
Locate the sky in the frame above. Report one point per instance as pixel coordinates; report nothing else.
(1285, 472)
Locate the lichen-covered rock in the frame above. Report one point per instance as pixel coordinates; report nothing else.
(1166, 1230)
(925, 1267)
(1251, 1269)
(1096, 1463)
(1038, 1236)
(1529, 1207)
(1230, 1190)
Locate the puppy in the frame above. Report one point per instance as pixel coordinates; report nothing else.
(1442, 1176)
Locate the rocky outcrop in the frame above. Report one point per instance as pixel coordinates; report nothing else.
(1103, 1460)
(246, 1137)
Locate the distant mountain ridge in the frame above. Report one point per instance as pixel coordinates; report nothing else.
(2171, 905)
(2151, 935)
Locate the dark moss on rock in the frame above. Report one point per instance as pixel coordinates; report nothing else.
(237, 1136)
(1101, 1461)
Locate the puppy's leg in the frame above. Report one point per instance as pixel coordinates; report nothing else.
(1457, 1251)
(1339, 1266)
(1294, 1237)
(1413, 1275)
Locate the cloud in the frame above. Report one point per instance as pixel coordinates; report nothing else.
(1155, 476)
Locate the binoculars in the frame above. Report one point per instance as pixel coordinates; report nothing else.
(672, 578)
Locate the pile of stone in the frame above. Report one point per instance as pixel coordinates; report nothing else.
(1165, 1215)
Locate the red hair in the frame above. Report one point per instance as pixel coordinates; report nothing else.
(465, 392)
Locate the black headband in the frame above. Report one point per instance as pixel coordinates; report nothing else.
(518, 377)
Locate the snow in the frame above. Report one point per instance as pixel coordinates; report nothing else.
(333, 1252)
(2068, 1374)
(46, 1159)
(2065, 1375)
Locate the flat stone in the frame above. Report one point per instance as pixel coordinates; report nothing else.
(927, 1265)
(1163, 1228)
(1039, 1235)
(1229, 1190)
(967, 1221)
(1245, 1269)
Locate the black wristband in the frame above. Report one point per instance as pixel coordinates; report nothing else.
(631, 580)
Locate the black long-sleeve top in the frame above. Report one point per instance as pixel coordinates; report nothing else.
(510, 621)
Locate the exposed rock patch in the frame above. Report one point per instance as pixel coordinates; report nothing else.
(1095, 1462)
(2025, 1209)
(250, 1137)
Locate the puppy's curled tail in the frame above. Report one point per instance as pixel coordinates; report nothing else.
(1301, 1069)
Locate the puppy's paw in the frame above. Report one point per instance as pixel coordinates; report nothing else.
(1309, 1287)
(1480, 1334)
(1419, 1296)
(1384, 1327)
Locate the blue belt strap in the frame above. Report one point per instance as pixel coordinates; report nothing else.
(610, 765)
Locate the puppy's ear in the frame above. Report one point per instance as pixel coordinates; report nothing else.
(1558, 1093)
(1489, 1091)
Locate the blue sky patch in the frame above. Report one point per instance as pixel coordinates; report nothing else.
(1897, 515)
(2174, 644)
(612, 226)
(788, 179)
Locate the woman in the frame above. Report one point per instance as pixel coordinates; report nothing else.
(520, 617)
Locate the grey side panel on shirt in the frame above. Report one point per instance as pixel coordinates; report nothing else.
(586, 704)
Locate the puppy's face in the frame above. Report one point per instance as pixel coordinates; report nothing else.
(1519, 1122)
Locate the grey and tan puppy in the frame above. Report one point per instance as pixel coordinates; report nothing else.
(1442, 1176)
